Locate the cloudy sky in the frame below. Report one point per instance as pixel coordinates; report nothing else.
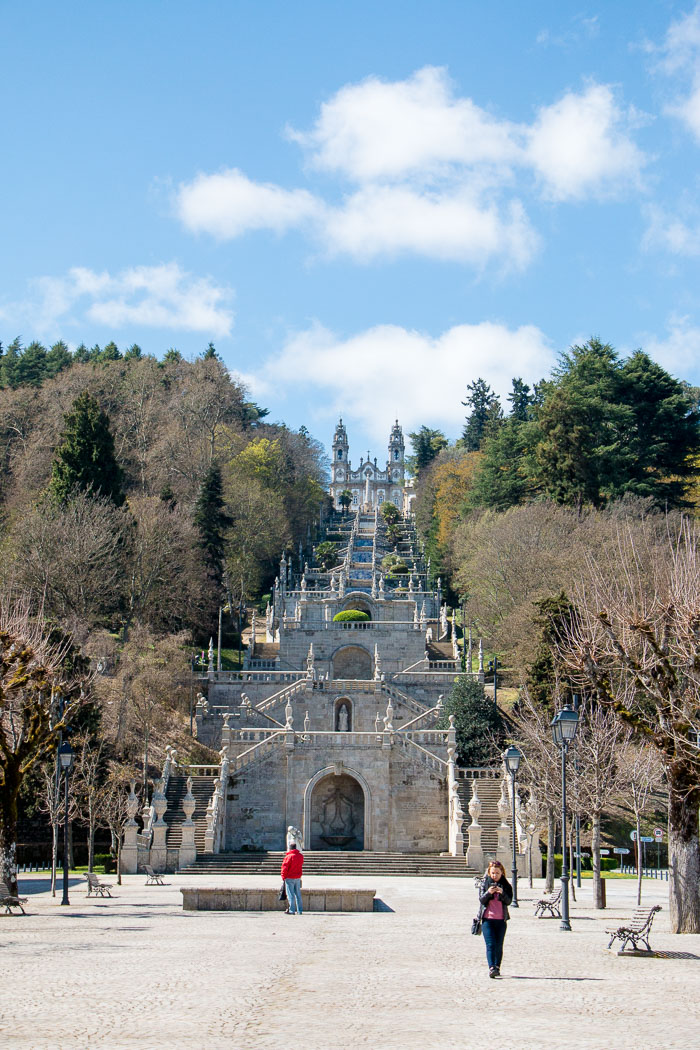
(364, 206)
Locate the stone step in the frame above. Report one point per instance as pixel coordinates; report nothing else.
(335, 863)
(202, 790)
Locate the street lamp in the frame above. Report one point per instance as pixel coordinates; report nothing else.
(512, 758)
(65, 758)
(564, 726)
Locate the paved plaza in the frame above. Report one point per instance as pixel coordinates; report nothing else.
(136, 971)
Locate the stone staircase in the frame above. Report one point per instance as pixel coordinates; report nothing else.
(202, 789)
(489, 791)
(333, 863)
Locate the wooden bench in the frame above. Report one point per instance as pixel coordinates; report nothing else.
(153, 878)
(11, 900)
(550, 903)
(636, 930)
(100, 889)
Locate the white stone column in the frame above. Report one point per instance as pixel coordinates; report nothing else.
(159, 852)
(503, 852)
(188, 850)
(475, 853)
(130, 849)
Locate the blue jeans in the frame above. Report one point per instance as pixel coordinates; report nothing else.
(494, 931)
(294, 895)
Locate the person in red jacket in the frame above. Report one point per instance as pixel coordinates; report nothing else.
(292, 867)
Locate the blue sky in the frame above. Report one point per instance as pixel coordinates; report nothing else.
(365, 206)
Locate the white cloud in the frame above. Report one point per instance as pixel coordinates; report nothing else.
(679, 351)
(432, 173)
(413, 371)
(680, 236)
(388, 220)
(162, 296)
(378, 130)
(680, 56)
(578, 145)
(229, 204)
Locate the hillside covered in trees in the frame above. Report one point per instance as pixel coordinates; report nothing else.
(517, 503)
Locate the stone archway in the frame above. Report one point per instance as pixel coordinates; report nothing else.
(352, 662)
(336, 813)
(358, 604)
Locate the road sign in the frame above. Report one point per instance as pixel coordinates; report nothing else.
(633, 836)
(620, 849)
(659, 834)
(646, 838)
(605, 853)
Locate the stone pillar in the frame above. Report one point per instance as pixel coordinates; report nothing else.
(130, 849)
(481, 661)
(210, 654)
(503, 852)
(475, 853)
(160, 829)
(188, 850)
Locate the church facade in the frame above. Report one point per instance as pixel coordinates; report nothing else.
(369, 483)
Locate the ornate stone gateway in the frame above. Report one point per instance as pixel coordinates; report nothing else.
(337, 814)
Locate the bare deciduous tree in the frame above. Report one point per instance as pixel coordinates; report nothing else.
(642, 773)
(635, 643)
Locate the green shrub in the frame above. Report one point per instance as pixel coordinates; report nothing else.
(350, 616)
(105, 861)
(606, 864)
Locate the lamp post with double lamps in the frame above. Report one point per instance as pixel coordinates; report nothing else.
(564, 726)
(512, 758)
(65, 758)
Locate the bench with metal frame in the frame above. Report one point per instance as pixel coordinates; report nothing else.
(100, 889)
(11, 900)
(153, 878)
(636, 930)
(549, 903)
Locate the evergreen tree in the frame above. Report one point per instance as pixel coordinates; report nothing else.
(544, 679)
(521, 399)
(427, 444)
(663, 433)
(58, 359)
(479, 725)
(9, 362)
(210, 352)
(81, 354)
(133, 353)
(172, 356)
(85, 458)
(504, 476)
(30, 369)
(212, 522)
(485, 413)
(110, 352)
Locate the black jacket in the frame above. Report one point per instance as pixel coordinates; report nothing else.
(506, 896)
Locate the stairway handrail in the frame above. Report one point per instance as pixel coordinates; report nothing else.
(427, 756)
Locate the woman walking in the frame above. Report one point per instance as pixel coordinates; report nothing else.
(495, 894)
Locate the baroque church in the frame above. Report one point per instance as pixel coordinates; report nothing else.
(369, 484)
(333, 732)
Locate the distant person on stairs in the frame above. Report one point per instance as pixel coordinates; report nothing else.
(292, 867)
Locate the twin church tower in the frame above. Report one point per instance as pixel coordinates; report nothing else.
(370, 484)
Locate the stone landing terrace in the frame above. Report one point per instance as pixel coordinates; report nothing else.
(139, 972)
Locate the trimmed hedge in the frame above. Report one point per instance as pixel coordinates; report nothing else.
(350, 616)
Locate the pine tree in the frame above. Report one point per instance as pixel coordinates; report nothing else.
(485, 413)
(85, 458)
(212, 522)
(503, 478)
(427, 445)
(521, 399)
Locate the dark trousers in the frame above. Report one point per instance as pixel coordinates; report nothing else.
(494, 931)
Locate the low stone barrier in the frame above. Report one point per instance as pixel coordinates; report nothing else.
(213, 898)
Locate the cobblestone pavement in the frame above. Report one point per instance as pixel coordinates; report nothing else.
(138, 972)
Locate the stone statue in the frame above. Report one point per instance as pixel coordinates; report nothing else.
(343, 719)
(294, 835)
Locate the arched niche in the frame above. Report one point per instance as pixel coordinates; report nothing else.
(342, 723)
(352, 662)
(337, 811)
(358, 602)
